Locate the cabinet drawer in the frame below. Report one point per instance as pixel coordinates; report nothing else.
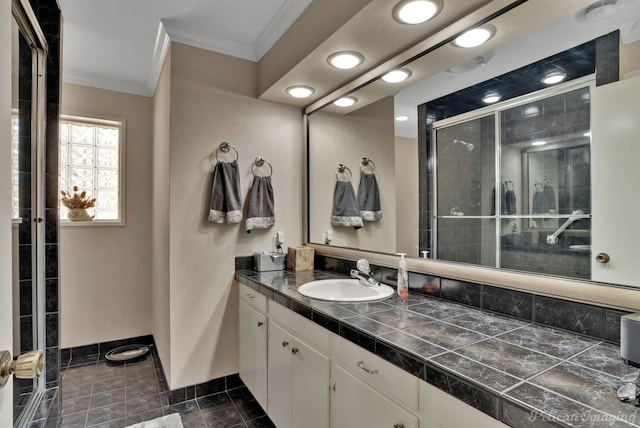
(300, 326)
(382, 375)
(253, 298)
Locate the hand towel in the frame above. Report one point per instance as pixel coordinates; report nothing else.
(226, 205)
(503, 200)
(369, 197)
(550, 198)
(539, 204)
(346, 211)
(510, 202)
(260, 214)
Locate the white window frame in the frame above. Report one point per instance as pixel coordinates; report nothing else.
(112, 122)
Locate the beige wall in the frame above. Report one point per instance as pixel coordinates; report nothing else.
(407, 197)
(346, 139)
(160, 314)
(629, 59)
(213, 100)
(105, 271)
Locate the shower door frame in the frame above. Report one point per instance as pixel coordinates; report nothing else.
(30, 29)
(495, 110)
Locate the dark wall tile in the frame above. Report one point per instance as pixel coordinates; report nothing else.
(509, 302)
(612, 325)
(244, 262)
(51, 328)
(424, 284)
(572, 316)
(467, 293)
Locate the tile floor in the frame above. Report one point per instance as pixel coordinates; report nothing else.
(99, 394)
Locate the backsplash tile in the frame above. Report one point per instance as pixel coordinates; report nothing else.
(509, 302)
(572, 316)
(463, 292)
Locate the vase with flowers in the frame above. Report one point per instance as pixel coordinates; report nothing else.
(77, 203)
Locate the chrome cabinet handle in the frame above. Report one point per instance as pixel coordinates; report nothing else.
(603, 258)
(398, 425)
(294, 351)
(260, 323)
(285, 343)
(251, 296)
(361, 365)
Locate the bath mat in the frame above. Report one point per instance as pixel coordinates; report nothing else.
(170, 421)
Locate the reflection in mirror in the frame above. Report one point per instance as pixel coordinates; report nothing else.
(464, 180)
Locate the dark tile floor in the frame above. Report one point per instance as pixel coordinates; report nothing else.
(96, 393)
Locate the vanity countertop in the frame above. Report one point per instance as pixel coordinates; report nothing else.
(521, 373)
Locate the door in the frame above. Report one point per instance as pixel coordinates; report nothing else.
(6, 340)
(280, 376)
(615, 150)
(252, 348)
(355, 404)
(311, 372)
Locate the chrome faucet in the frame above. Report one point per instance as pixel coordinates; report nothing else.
(363, 274)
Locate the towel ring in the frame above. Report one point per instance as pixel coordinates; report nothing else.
(341, 170)
(367, 162)
(259, 162)
(513, 187)
(224, 147)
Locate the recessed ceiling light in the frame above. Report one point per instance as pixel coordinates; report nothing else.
(345, 60)
(475, 37)
(491, 98)
(416, 11)
(300, 91)
(345, 101)
(554, 77)
(402, 118)
(396, 76)
(538, 143)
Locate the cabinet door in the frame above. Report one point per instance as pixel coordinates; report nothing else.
(355, 404)
(311, 372)
(252, 347)
(440, 410)
(615, 109)
(280, 375)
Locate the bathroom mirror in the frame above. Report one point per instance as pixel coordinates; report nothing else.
(437, 169)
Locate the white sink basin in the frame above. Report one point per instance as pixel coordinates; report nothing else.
(344, 290)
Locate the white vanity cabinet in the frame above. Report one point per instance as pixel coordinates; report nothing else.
(441, 410)
(252, 342)
(369, 392)
(298, 370)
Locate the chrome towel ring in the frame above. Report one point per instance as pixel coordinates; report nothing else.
(367, 163)
(342, 170)
(258, 163)
(225, 147)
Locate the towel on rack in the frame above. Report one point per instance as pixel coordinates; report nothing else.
(226, 205)
(510, 202)
(539, 204)
(503, 200)
(346, 211)
(369, 197)
(550, 197)
(260, 214)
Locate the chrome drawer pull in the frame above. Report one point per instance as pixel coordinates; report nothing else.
(285, 343)
(360, 364)
(260, 323)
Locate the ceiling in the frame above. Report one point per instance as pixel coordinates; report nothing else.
(116, 44)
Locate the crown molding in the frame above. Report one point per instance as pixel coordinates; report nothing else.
(159, 54)
(103, 82)
(280, 23)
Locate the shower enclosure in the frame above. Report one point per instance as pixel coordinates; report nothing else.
(512, 184)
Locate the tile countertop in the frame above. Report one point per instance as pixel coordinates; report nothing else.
(518, 372)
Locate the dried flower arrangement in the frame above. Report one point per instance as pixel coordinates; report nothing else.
(77, 200)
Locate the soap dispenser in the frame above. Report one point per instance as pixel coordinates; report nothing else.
(403, 280)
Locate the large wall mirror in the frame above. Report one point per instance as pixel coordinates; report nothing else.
(537, 179)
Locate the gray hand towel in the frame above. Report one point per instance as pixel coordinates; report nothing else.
(369, 197)
(539, 205)
(260, 214)
(550, 197)
(510, 202)
(345, 206)
(226, 205)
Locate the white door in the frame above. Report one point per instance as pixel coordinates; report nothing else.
(615, 109)
(280, 376)
(252, 349)
(311, 372)
(6, 323)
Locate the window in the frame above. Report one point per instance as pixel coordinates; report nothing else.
(91, 158)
